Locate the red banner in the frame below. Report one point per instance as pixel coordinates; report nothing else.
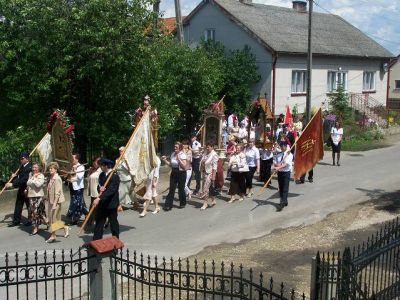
(288, 117)
(309, 146)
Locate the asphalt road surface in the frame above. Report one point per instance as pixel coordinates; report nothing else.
(184, 232)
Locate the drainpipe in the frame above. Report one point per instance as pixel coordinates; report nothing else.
(388, 86)
(275, 58)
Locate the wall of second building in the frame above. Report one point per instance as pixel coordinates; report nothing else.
(394, 76)
(233, 37)
(354, 67)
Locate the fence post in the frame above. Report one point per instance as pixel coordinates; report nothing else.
(345, 285)
(102, 282)
(315, 265)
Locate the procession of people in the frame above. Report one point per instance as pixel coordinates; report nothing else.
(110, 182)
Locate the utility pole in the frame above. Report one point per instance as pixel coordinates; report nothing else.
(309, 62)
(156, 11)
(178, 16)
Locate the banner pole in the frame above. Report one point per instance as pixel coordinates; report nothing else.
(119, 161)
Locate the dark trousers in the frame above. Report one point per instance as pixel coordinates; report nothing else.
(196, 172)
(265, 169)
(177, 179)
(101, 216)
(310, 176)
(249, 177)
(19, 205)
(283, 183)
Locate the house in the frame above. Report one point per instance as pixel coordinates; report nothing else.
(393, 89)
(342, 54)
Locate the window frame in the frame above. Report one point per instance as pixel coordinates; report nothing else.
(294, 82)
(397, 84)
(368, 87)
(209, 34)
(332, 86)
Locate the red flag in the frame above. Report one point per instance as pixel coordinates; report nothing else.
(289, 120)
(309, 146)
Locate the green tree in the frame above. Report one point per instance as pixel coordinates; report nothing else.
(339, 102)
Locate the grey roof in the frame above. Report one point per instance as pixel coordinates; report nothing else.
(285, 30)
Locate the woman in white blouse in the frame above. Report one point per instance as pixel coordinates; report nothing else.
(189, 156)
(208, 167)
(253, 161)
(239, 168)
(35, 193)
(177, 162)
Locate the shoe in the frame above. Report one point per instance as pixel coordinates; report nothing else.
(28, 223)
(156, 211)
(279, 207)
(299, 181)
(241, 199)
(310, 180)
(50, 240)
(167, 208)
(204, 207)
(231, 201)
(182, 206)
(333, 164)
(66, 232)
(34, 233)
(285, 204)
(142, 214)
(13, 224)
(249, 195)
(338, 164)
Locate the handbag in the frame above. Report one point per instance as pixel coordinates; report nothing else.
(212, 191)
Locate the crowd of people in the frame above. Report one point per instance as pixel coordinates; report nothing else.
(42, 192)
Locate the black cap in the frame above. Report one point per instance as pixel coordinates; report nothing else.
(24, 154)
(106, 162)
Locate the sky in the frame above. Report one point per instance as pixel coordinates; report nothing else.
(379, 19)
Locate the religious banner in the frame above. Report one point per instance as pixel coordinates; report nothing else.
(289, 120)
(140, 154)
(44, 150)
(309, 146)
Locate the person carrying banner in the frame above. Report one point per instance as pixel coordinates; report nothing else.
(283, 165)
(19, 180)
(108, 201)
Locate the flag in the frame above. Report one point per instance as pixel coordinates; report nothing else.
(140, 153)
(45, 151)
(309, 146)
(289, 120)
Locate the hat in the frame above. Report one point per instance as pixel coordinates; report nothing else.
(106, 162)
(24, 154)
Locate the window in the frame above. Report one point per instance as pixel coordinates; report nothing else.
(336, 78)
(369, 81)
(299, 81)
(397, 84)
(209, 34)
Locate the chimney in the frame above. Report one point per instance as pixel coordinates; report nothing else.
(248, 2)
(300, 6)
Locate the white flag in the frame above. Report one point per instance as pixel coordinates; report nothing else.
(140, 154)
(45, 151)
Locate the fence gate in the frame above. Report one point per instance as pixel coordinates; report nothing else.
(369, 271)
(138, 277)
(45, 275)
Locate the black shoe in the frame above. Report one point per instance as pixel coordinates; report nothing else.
(29, 223)
(310, 180)
(13, 224)
(279, 207)
(182, 206)
(285, 204)
(299, 181)
(166, 208)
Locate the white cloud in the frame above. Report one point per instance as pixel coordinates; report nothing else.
(378, 18)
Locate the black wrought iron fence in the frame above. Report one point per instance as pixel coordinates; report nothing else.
(62, 274)
(140, 277)
(369, 271)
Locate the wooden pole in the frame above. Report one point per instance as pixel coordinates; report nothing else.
(119, 161)
(295, 142)
(33, 151)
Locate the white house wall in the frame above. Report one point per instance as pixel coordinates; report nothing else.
(321, 65)
(232, 37)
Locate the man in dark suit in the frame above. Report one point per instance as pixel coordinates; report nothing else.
(108, 201)
(20, 178)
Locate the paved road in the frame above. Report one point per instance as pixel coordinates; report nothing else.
(186, 232)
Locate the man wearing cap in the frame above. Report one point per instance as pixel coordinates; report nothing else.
(108, 201)
(283, 165)
(19, 180)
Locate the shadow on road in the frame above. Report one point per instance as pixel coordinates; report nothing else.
(382, 200)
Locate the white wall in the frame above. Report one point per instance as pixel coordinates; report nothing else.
(233, 37)
(321, 65)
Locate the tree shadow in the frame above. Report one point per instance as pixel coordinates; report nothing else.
(382, 200)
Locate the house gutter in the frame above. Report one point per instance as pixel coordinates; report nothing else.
(275, 58)
(388, 86)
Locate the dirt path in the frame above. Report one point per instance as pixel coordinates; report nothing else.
(286, 254)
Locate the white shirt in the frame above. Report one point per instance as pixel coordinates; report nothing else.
(336, 135)
(286, 157)
(266, 154)
(155, 173)
(242, 133)
(252, 155)
(77, 184)
(196, 149)
(174, 159)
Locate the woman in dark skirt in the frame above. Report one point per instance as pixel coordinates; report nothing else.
(239, 168)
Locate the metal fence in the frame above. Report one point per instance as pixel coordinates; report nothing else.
(140, 277)
(369, 271)
(53, 274)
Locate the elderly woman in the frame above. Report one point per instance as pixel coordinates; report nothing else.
(239, 168)
(177, 161)
(55, 197)
(35, 195)
(208, 167)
